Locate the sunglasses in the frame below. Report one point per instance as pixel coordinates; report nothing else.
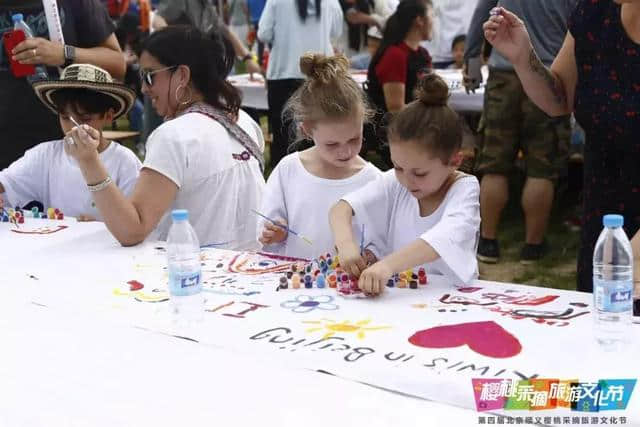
(147, 75)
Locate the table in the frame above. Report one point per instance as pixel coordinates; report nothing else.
(119, 135)
(254, 91)
(76, 352)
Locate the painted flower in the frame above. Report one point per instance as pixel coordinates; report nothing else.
(306, 303)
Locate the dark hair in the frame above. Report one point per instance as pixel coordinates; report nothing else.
(303, 5)
(429, 121)
(329, 92)
(460, 38)
(398, 25)
(81, 100)
(209, 57)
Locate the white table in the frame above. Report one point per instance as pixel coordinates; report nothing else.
(73, 354)
(62, 365)
(254, 91)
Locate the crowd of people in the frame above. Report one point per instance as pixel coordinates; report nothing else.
(167, 72)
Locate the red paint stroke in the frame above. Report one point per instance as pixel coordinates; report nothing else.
(42, 230)
(486, 338)
(253, 307)
(282, 257)
(237, 265)
(520, 299)
(468, 290)
(134, 285)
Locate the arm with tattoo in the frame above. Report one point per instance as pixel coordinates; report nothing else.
(544, 86)
(553, 83)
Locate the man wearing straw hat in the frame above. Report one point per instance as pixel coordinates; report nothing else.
(46, 174)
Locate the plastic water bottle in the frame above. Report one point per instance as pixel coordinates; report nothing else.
(612, 284)
(19, 24)
(185, 272)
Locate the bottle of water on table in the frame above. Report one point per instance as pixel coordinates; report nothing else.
(613, 284)
(20, 25)
(185, 272)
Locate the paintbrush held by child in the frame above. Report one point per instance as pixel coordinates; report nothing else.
(329, 109)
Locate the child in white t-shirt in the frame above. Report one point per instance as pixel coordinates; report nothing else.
(330, 109)
(422, 212)
(46, 174)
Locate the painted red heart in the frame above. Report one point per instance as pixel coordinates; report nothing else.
(134, 285)
(486, 338)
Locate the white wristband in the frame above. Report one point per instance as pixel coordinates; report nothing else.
(100, 186)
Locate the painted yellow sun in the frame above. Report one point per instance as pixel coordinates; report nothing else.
(332, 327)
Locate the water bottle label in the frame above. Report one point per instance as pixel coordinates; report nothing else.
(184, 283)
(613, 296)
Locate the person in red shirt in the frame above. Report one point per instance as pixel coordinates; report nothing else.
(397, 66)
(400, 61)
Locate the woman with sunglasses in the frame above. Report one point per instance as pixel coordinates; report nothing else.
(206, 157)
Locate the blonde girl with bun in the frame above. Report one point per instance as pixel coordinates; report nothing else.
(330, 110)
(424, 211)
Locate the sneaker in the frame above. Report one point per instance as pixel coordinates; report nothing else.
(532, 253)
(488, 250)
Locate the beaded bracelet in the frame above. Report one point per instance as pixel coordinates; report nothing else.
(100, 186)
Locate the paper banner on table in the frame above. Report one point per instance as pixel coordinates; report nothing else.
(430, 342)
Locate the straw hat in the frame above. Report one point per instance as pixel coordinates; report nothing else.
(86, 76)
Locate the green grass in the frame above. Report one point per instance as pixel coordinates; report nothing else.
(558, 268)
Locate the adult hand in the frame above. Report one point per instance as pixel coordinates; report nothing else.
(466, 80)
(39, 51)
(253, 68)
(373, 279)
(351, 260)
(82, 142)
(507, 33)
(272, 233)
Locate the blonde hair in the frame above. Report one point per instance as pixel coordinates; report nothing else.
(328, 92)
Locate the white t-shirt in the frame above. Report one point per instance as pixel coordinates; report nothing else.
(451, 19)
(281, 27)
(218, 181)
(393, 216)
(50, 176)
(304, 200)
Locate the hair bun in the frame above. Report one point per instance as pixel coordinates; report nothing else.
(323, 68)
(432, 91)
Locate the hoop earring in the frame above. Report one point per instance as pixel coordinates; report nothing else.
(188, 101)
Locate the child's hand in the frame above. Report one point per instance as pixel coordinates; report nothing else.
(271, 233)
(350, 259)
(82, 142)
(85, 218)
(373, 279)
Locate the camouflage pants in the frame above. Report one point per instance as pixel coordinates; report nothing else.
(510, 123)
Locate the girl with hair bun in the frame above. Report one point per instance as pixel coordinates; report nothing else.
(329, 109)
(422, 212)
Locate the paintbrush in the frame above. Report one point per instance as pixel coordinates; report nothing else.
(362, 241)
(70, 140)
(282, 226)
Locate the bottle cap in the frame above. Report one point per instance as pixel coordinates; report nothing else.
(180, 215)
(17, 17)
(613, 221)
